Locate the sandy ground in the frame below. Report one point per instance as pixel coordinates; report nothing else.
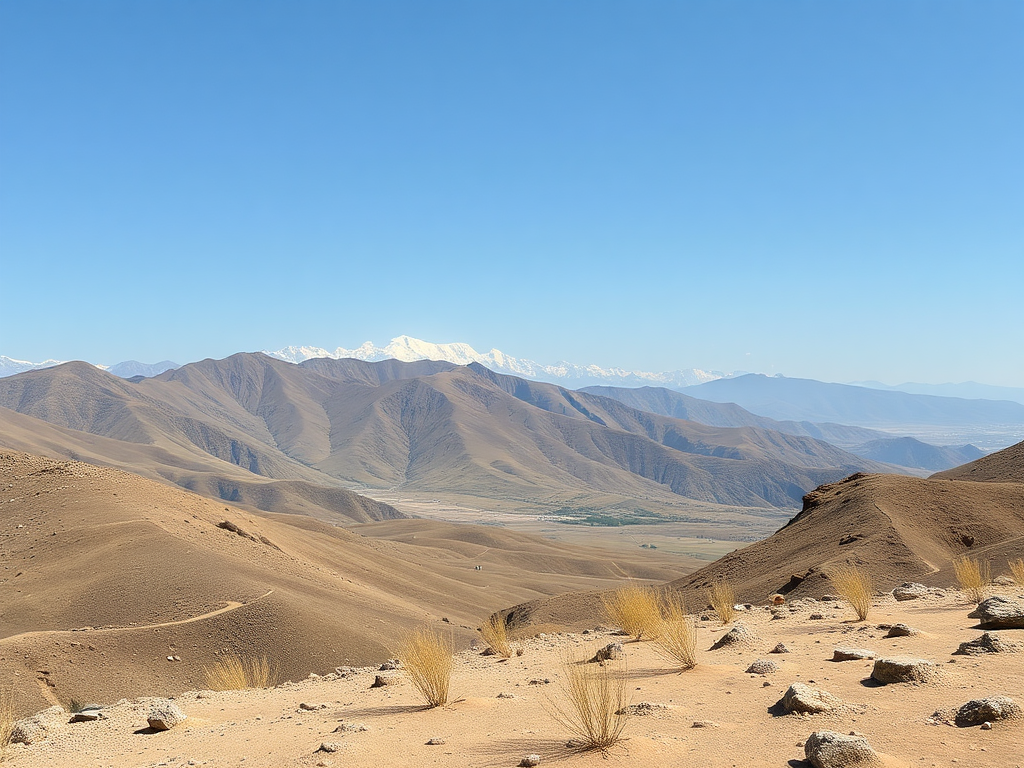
(269, 729)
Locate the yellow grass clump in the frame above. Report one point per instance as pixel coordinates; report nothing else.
(854, 585)
(428, 658)
(634, 608)
(1017, 569)
(235, 673)
(497, 636)
(593, 706)
(723, 599)
(973, 577)
(677, 640)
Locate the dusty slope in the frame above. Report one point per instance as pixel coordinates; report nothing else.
(267, 729)
(429, 427)
(86, 546)
(895, 528)
(1006, 466)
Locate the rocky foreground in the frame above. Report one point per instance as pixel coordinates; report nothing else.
(919, 683)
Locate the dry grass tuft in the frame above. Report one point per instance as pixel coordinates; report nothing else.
(1017, 569)
(234, 673)
(677, 640)
(723, 599)
(497, 635)
(635, 609)
(594, 704)
(855, 586)
(428, 657)
(972, 576)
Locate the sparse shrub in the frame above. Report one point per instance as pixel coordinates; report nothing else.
(854, 585)
(1017, 569)
(635, 609)
(723, 599)
(973, 577)
(429, 659)
(677, 640)
(497, 636)
(594, 704)
(234, 673)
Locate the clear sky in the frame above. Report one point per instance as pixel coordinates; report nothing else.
(823, 189)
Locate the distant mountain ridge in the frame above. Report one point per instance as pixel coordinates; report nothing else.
(571, 375)
(125, 370)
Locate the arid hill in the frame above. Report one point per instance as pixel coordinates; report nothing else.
(427, 427)
(893, 527)
(1006, 466)
(106, 574)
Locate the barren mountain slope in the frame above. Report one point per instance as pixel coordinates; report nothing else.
(893, 527)
(153, 572)
(458, 430)
(1005, 466)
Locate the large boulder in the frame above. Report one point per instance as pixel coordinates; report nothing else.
(828, 749)
(989, 642)
(852, 654)
(903, 670)
(999, 613)
(800, 698)
(737, 636)
(910, 590)
(978, 711)
(31, 730)
(164, 715)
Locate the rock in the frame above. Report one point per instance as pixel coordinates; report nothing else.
(738, 635)
(829, 749)
(778, 599)
(999, 613)
(902, 670)
(805, 698)
(539, 681)
(989, 642)
(1004, 581)
(390, 665)
(780, 648)
(762, 667)
(986, 726)
(642, 709)
(307, 707)
(852, 654)
(351, 728)
(780, 613)
(330, 746)
(31, 730)
(379, 681)
(901, 630)
(910, 590)
(435, 742)
(165, 715)
(704, 724)
(609, 652)
(817, 616)
(87, 715)
(529, 761)
(504, 695)
(988, 710)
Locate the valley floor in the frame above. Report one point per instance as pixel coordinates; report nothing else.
(269, 729)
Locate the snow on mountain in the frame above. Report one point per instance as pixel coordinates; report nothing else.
(10, 366)
(408, 349)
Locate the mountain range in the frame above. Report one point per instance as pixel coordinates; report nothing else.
(227, 428)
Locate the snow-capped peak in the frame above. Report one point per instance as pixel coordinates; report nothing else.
(408, 349)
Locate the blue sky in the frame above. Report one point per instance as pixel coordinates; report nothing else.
(832, 190)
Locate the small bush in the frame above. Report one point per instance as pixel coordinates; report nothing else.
(496, 634)
(233, 673)
(723, 600)
(635, 609)
(593, 706)
(429, 659)
(855, 586)
(972, 576)
(677, 640)
(1017, 569)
